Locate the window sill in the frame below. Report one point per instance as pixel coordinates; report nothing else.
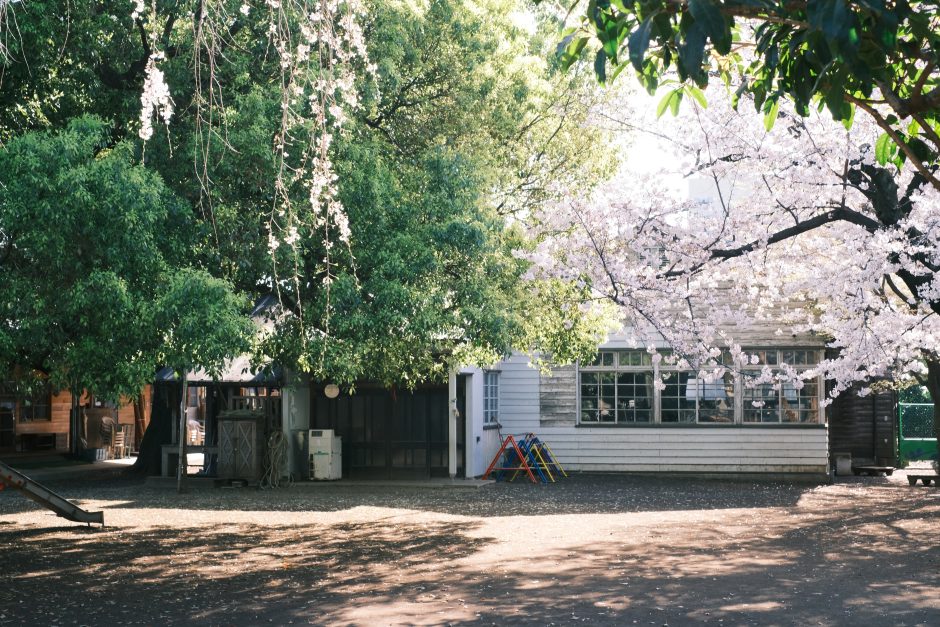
(699, 425)
(492, 425)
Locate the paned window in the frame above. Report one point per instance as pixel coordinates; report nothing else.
(690, 396)
(28, 406)
(795, 401)
(490, 397)
(618, 388)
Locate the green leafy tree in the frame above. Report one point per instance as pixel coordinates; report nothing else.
(464, 128)
(88, 239)
(874, 56)
(204, 325)
(96, 294)
(469, 125)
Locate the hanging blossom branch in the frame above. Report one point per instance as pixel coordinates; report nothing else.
(155, 96)
(7, 26)
(320, 45)
(320, 52)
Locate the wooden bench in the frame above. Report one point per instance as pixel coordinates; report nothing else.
(925, 479)
(873, 471)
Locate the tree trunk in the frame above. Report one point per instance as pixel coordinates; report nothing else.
(933, 386)
(74, 424)
(158, 433)
(139, 425)
(183, 467)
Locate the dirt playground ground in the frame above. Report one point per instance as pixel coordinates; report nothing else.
(593, 549)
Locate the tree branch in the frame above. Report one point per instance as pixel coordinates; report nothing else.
(896, 138)
(840, 214)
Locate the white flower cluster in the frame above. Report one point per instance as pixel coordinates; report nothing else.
(319, 67)
(140, 7)
(155, 97)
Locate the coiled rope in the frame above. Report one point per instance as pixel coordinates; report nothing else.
(277, 454)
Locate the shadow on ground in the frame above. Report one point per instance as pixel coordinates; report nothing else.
(838, 557)
(580, 493)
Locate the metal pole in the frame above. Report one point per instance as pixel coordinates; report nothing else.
(182, 466)
(452, 424)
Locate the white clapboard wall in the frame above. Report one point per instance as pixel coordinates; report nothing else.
(531, 401)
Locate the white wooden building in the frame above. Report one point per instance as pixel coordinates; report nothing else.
(612, 416)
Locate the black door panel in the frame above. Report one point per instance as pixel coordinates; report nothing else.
(388, 436)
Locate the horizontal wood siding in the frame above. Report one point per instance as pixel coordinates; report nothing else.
(518, 396)
(60, 410)
(558, 396)
(489, 444)
(770, 331)
(700, 449)
(547, 405)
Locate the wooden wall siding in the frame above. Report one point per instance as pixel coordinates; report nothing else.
(62, 407)
(865, 426)
(719, 449)
(558, 398)
(761, 335)
(518, 396)
(489, 444)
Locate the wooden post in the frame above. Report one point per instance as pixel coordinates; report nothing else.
(74, 424)
(182, 466)
(469, 421)
(139, 425)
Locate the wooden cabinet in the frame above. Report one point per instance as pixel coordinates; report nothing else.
(241, 445)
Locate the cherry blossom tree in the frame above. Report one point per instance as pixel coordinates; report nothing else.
(797, 228)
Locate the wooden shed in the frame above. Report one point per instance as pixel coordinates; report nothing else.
(865, 427)
(42, 422)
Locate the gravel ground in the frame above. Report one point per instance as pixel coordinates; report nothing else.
(595, 549)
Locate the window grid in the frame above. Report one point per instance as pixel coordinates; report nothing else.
(490, 397)
(618, 388)
(34, 407)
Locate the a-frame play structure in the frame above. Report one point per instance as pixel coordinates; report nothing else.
(529, 455)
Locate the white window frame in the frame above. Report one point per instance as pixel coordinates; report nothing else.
(739, 373)
(491, 397)
(615, 367)
(780, 388)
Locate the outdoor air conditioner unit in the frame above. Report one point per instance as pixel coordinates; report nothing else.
(326, 455)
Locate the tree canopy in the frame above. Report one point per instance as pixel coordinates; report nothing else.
(91, 240)
(879, 57)
(410, 262)
(871, 60)
(787, 235)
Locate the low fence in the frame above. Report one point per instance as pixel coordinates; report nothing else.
(916, 438)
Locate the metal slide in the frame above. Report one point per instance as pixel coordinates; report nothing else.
(47, 498)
